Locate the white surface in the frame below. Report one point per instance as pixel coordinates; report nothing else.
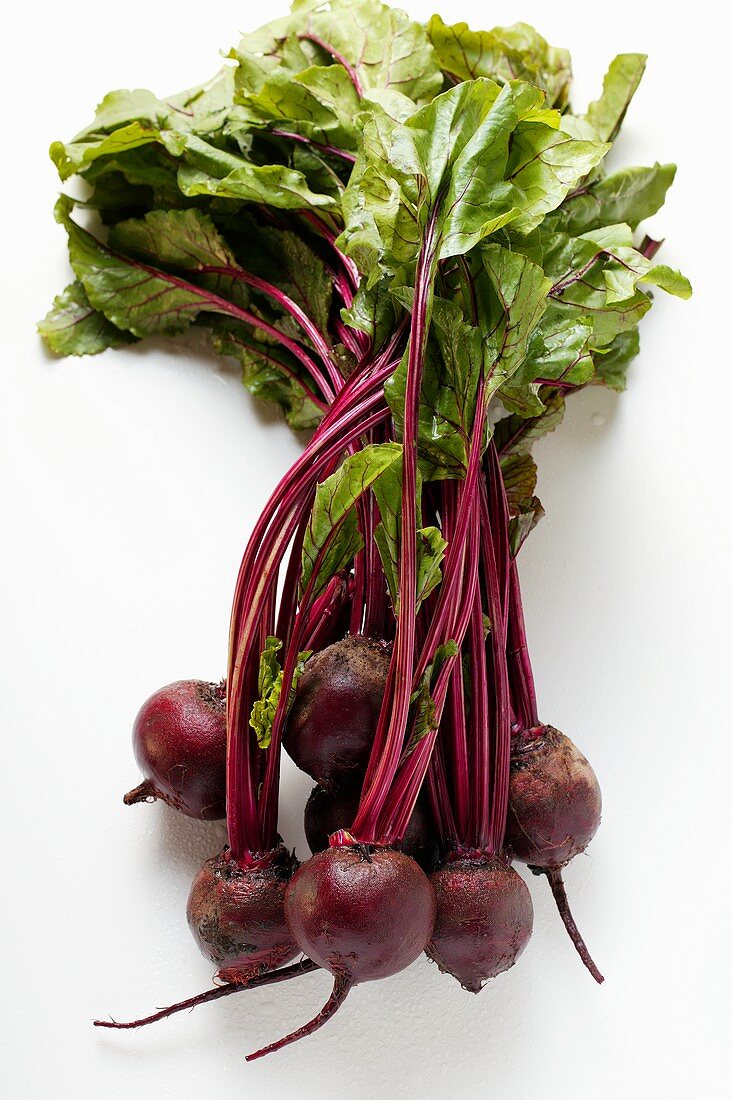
(129, 485)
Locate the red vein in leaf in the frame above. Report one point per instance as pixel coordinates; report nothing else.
(317, 41)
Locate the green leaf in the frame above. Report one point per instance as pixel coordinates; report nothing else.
(387, 535)
(628, 196)
(374, 312)
(269, 686)
(474, 159)
(75, 157)
(380, 216)
(520, 525)
(386, 49)
(521, 288)
(187, 240)
(269, 373)
(261, 52)
(516, 435)
(124, 120)
(558, 351)
(668, 279)
(424, 710)
(519, 479)
(284, 259)
(332, 538)
(503, 54)
(611, 363)
(576, 266)
(620, 84)
(148, 169)
(117, 200)
(209, 171)
(73, 327)
(455, 357)
(127, 120)
(320, 103)
(131, 295)
(431, 548)
(624, 267)
(459, 145)
(449, 157)
(545, 165)
(177, 238)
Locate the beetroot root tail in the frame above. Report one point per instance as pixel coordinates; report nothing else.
(556, 882)
(272, 977)
(190, 1002)
(144, 792)
(341, 988)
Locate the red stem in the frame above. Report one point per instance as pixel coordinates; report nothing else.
(501, 725)
(410, 778)
(269, 797)
(353, 75)
(329, 235)
(324, 613)
(395, 707)
(522, 676)
(450, 620)
(480, 731)
(349, 418)
(332, 149)
(458, 742)
(311, 330)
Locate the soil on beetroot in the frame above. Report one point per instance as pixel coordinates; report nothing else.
(237, 917)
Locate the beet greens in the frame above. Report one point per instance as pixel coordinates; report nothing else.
(409, 241)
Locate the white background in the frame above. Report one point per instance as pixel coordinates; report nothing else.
(129, 484)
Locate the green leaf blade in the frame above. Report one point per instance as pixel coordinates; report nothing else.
(73, 327)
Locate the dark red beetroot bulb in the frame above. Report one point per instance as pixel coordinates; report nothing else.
(484, 918)
(179, 738)
(554, 808)
(237, 913)
(554, 801)
(331, 726)
(328, 811)
(360, 913)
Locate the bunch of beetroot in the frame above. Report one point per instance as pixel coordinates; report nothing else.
(408, 240)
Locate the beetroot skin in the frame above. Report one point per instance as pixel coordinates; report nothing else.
(362, 913)
(179, 739)
(236, 914)
(328, 811)
(484, 919)
(554, 800)
(331, 726)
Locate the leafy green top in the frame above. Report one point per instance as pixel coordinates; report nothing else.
(348, 119)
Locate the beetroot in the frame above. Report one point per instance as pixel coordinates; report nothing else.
(554, 812)
(361, 913)
(484, 918)
(236, 913)
(329, 810)
(330, 728)
(554, 799)
(179, 739)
